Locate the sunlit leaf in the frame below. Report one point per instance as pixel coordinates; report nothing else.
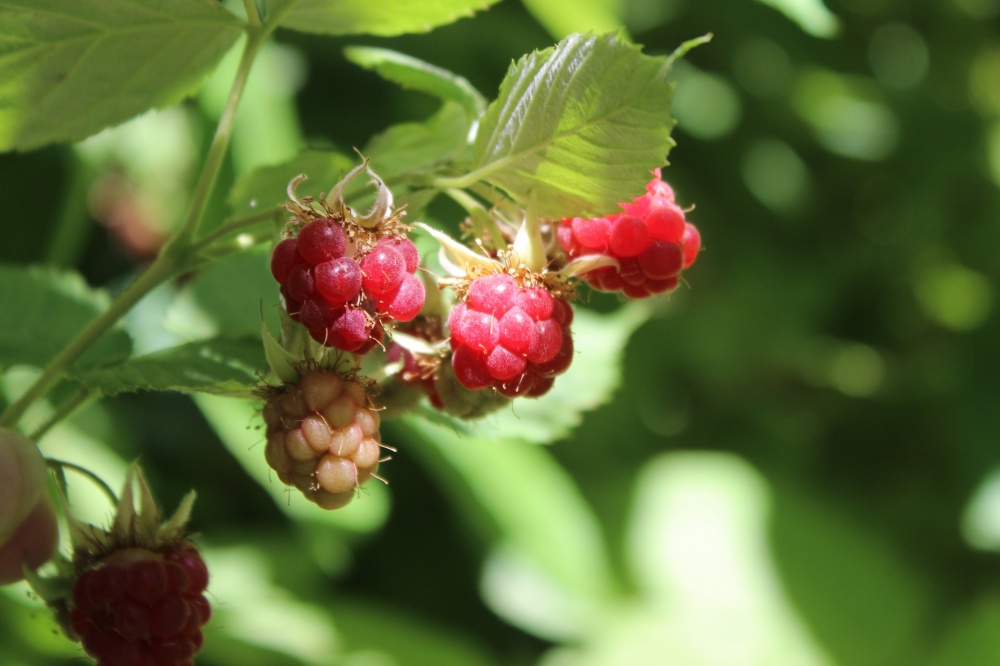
(418, 75)
(577, 127)
(69, 69)
(44, 309)
(385, 18)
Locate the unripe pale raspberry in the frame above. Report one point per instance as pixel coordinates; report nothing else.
(650, 240)
(322, 436)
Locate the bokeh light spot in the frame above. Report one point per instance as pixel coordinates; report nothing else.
(954, 296)
(706, 105)
(898, 56)
(762, 67)
(846, 115)
(776, 175)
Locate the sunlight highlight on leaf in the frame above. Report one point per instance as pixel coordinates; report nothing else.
(810, 15)
(385, 18)
(69, 69)
(577, 127)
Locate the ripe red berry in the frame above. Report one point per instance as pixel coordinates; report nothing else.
(140, 606)
(503, 333)
(345, 300)
(284, 258)
(338, 280)
(321, 240)
(383, 269)
(651, 242)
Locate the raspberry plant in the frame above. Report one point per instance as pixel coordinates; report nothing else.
(378, 306)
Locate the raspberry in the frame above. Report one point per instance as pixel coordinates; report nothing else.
(509, 337)
(321, 240)
(322, 437)
(383, 269)
(345, 300)
(650, 240)
(139, 606)
(390, 281)
(338, 281)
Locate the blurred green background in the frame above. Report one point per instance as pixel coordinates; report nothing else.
(801, 463)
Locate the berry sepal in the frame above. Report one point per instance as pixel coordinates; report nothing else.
(134, 592)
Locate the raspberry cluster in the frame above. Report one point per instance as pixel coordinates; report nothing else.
(513, 338)
(650, 239)
(138, 606)
(322, 437)
(343, 300)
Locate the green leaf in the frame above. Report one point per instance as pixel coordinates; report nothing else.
(973, 638)
(228, 299)
(601, 340)
(415, 147)
(419, 75)
(43, 310)
(527, 502)
(220, 366)
(69, 69)
(577, 127)
(706, 586)
(857, 595)
(403, 638)
(386, 17)
(266, 187)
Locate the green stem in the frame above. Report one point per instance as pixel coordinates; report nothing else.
(220, 142)
(253, 15)
(480, 217)
(80, 398)
(232, 227)
(175, 254)
(160, 270)
(62, 465)
(66, 241)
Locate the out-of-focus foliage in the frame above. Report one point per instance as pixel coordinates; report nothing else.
(800, 463)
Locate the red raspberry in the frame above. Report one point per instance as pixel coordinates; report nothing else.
(390, 280)
(342, 300)
(321, 240)
(650, 240)
(139, 606)
(509, 337)
(322, 437)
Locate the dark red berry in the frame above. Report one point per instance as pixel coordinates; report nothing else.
(650, 241)
(321, 240)
(139, 607)
(283, 259)
(338, 281)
